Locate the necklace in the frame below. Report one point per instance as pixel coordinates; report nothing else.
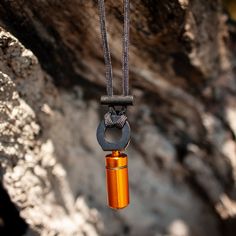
(116, 162)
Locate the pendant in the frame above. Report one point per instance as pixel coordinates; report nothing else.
(117, 180)
(116, 162)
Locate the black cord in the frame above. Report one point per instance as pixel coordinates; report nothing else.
(106, 50)
(125, 61)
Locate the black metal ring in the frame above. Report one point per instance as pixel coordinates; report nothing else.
(118, 146)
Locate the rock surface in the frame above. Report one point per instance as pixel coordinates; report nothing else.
(34, 179)
(182, 155)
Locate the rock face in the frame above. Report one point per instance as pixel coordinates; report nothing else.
(182, 155)
(35, 181)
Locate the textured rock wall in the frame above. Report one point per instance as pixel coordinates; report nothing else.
(182, 155)
(34, 179)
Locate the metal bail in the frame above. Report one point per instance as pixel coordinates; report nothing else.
(121, 144)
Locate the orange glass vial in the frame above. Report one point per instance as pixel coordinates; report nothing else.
(117, 180)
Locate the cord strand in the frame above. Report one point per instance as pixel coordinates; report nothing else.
(125, 61)
(106, 49)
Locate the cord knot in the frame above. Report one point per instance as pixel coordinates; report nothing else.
(112, 120)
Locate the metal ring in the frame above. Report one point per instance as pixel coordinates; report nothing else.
(118, 146)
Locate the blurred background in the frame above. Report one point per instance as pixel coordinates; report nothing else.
(182, 156)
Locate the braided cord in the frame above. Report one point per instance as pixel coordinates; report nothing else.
(125, 61)
(106, 49)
